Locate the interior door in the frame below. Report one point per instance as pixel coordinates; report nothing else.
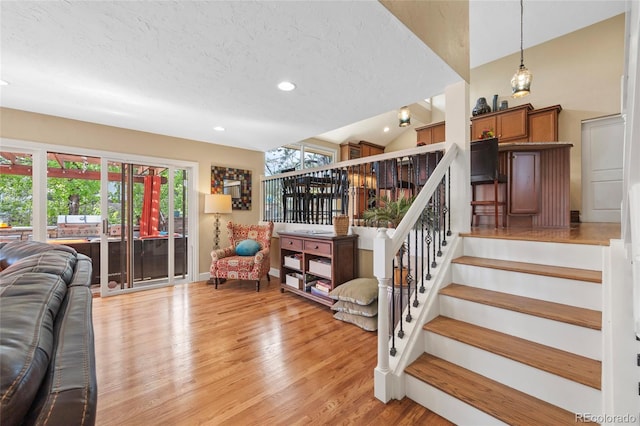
(602, 148)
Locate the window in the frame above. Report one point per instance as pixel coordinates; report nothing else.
(296, 157)
(16, 193)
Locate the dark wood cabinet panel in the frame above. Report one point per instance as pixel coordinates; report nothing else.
(543, 124)
(524, 190)
(349, 151)
(431, 133)
(513, 125)
(510, 125)
(481, 123)
(354, 150)
(338, 252)
(368, 149)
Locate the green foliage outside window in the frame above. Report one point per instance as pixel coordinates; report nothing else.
(16, 196)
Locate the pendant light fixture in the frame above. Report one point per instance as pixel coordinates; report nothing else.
(404, 117)
(521, 81)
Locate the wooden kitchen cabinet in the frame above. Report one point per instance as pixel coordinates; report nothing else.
(543, 124)
(368, 149)
(510, 125)
(524, 182)
(353, 150)
(431, 133)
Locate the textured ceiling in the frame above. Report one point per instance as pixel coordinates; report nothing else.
(182, 68)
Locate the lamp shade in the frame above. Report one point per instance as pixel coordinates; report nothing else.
(217, 203)
(404, 117)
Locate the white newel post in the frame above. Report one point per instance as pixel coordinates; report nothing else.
(382, 270)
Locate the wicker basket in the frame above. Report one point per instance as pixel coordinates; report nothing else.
(341, 224)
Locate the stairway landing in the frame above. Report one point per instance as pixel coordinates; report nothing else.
(578, 233)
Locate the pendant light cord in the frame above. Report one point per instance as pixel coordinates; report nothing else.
(521, 34)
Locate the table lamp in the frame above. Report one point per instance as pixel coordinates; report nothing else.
(217, 204)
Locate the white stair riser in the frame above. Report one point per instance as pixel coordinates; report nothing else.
(548, 387)
(581, 256)
(446, 405)
(567, 337)
(582, 294)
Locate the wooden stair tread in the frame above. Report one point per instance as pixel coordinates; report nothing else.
(502, 402)
(532, 268)
(573, 367)
(555, 311)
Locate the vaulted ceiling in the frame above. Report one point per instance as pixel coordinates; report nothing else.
(182, 68)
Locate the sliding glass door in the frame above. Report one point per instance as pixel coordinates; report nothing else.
(145, 240)
(129, 214)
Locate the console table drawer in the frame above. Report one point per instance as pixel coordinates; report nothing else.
(317, 247)
(290, 243)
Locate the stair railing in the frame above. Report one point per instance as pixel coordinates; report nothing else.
(420, 237)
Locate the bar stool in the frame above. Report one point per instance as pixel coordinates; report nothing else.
(484, 170)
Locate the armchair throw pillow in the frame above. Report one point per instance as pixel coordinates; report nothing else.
(247, 248)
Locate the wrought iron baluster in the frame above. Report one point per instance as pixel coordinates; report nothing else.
(449, 198)
(434, 202)
(409, 279)
(415, 289)
(428, 238)
(392, 324)
(445, 210)
(440, 223)
(400, 261)
(422, 252)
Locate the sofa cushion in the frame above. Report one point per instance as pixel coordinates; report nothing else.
(47, 366)
(29, 304)
(18, 250)
(56, 262)
(71, 383)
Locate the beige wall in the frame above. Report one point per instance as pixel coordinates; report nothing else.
(443, 25)
(15, 124)
(580, 71)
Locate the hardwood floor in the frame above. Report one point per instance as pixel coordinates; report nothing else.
(193, 355)
(577, 233)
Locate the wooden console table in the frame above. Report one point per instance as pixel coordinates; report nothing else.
(338, 254)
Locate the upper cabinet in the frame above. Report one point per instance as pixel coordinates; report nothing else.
(519, 124)
(353, 150)
(543, 124)
(432, 133)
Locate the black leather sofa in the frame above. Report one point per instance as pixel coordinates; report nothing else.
(47, 356)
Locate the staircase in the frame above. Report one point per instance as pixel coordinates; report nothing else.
(518, 336)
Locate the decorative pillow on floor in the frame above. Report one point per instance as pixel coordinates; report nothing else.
(247, 248)
(365, 323)
(362, 291)
(370, 310)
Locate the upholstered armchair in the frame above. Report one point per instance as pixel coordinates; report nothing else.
(236, 262)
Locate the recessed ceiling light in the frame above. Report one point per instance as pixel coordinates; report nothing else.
(286, 86)
(219, 129)
(386, 129)
(3, 83)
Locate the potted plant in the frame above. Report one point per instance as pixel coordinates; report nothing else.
(387, 212)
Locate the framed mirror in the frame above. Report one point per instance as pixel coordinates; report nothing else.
(236, 182)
